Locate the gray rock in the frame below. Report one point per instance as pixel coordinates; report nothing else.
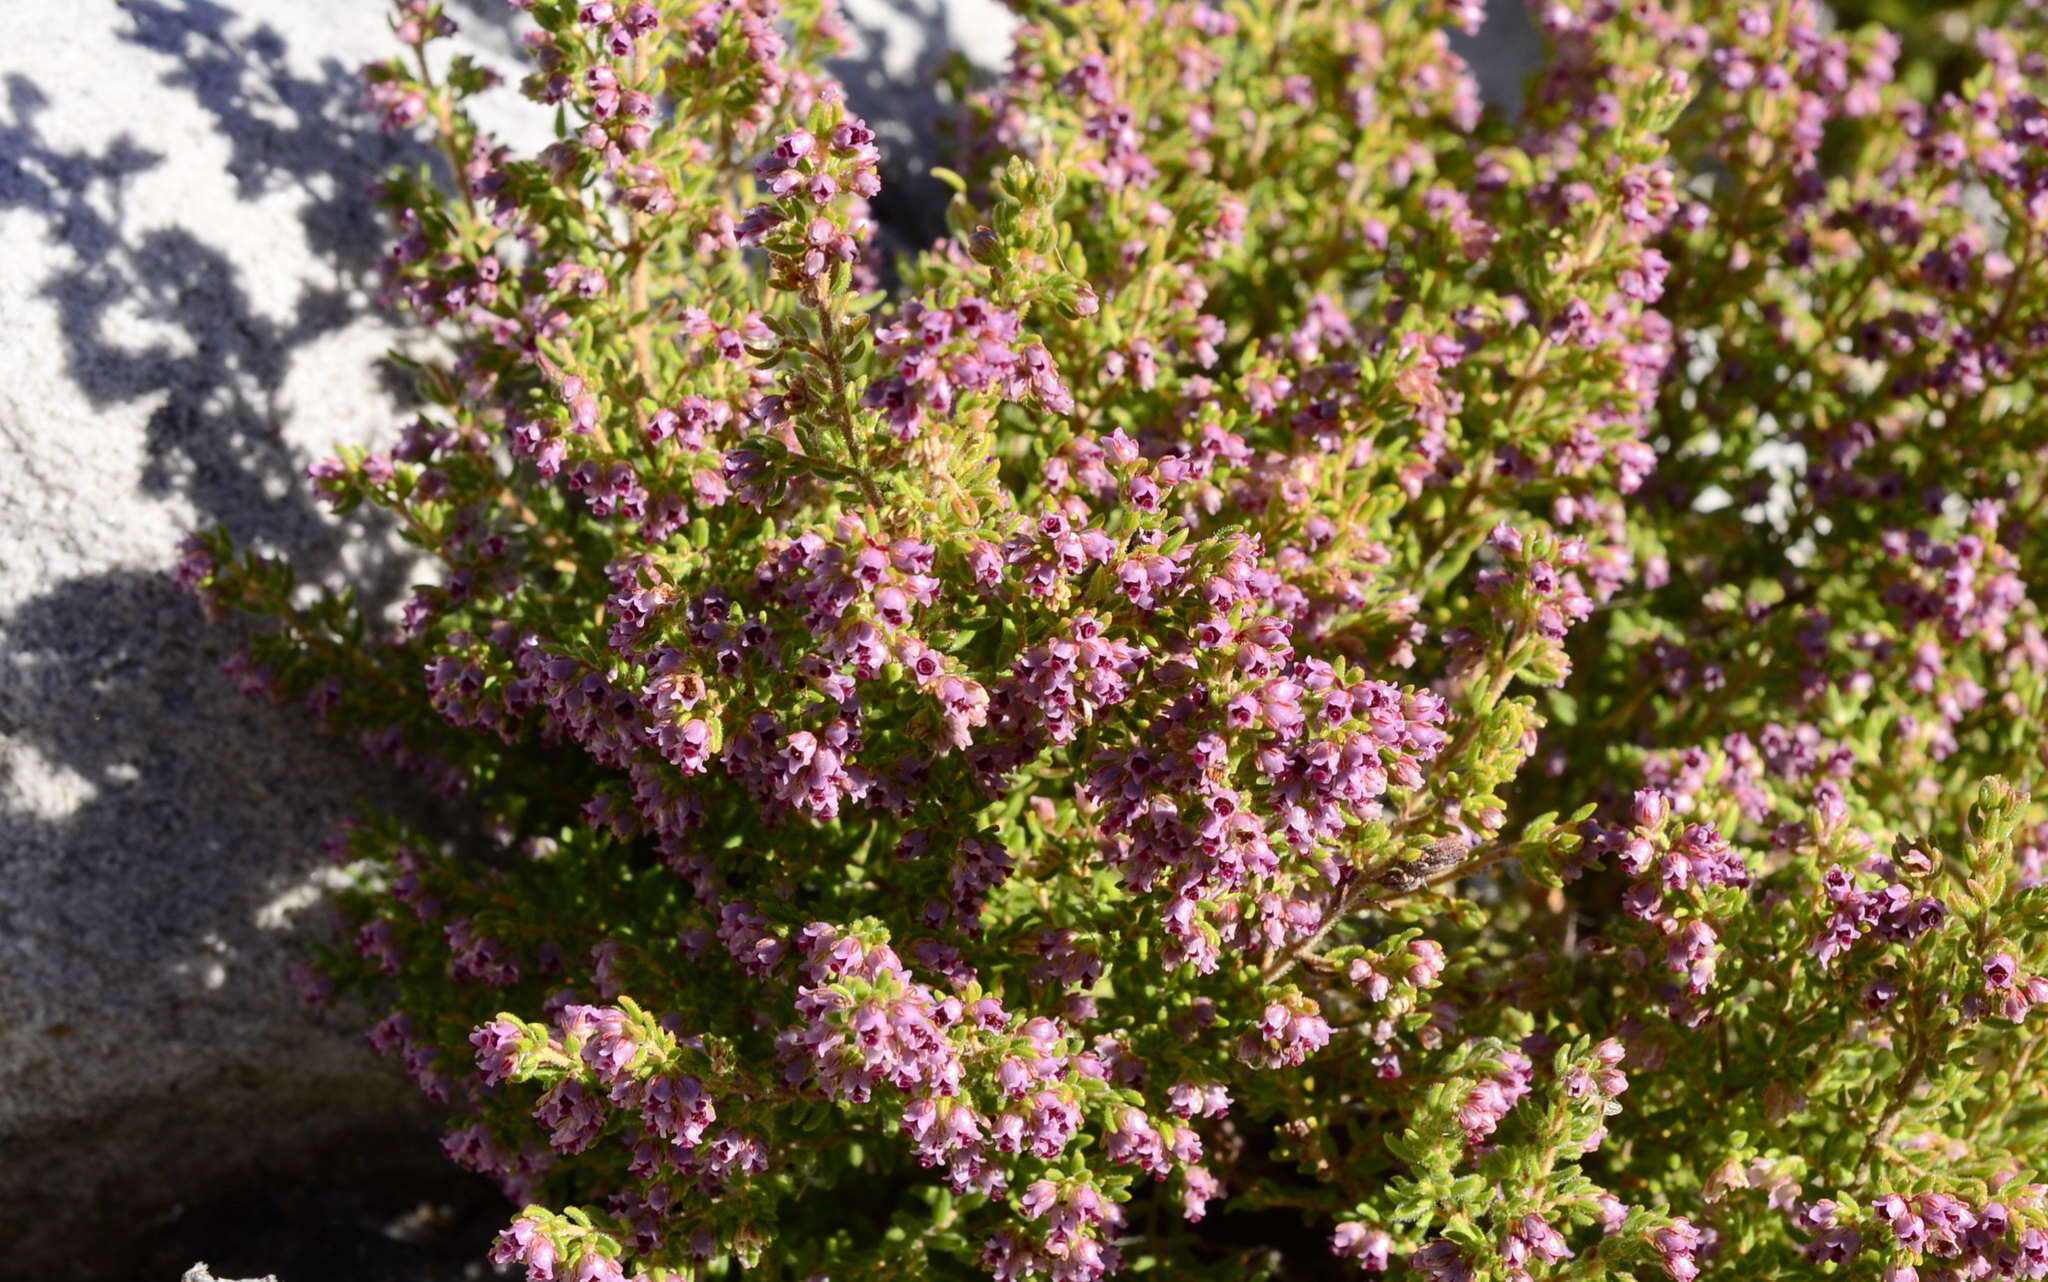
(181, 196)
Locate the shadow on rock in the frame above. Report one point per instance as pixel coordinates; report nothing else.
(896, 83)
(164, 1097)
(216, 439)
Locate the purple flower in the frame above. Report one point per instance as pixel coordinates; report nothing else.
(1362, 1243)
(501, 1048)
(527, 1242)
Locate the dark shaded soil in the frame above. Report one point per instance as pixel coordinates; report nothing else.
(363, 1219)
(344, 1201)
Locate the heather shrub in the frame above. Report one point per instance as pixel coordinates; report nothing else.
(1335, 681)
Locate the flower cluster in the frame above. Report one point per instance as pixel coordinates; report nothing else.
(1340, 676)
